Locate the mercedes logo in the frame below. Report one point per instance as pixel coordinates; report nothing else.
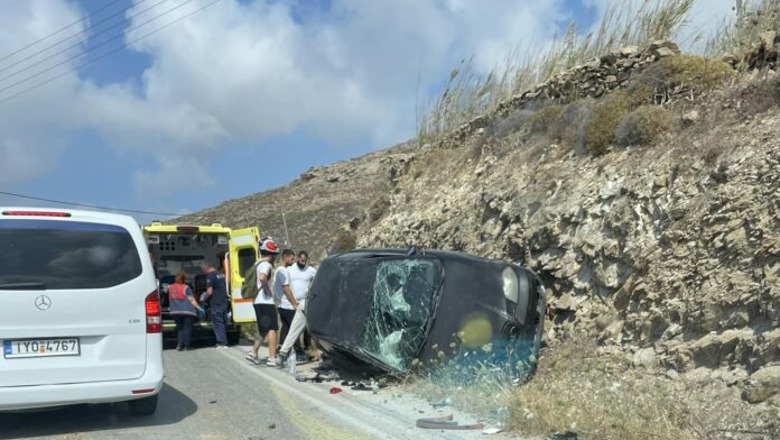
(43, 302)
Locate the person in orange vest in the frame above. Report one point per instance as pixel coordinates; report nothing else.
(183, 308)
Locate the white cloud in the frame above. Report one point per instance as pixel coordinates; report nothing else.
(31, 129)
(243, 72)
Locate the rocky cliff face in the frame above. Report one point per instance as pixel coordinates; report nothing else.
(668, 253)
(663, 252)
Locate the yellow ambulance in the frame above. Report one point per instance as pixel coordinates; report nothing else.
(175, 248)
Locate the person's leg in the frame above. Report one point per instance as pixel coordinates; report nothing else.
(254, 352)
(179, 332)
(306, 339)
(273, 335)
(218, 320)
(286, 316)
(273, 342)
(293, 337)
(187, 331)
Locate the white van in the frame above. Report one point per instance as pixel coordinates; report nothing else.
(79, 311)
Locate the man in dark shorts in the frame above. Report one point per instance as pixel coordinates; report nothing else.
(265, 305)
(216, 294)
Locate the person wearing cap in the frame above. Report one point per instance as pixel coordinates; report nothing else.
(265, 305)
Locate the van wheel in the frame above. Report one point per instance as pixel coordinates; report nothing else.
(143, 407)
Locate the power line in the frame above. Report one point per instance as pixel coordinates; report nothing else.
(59, 30)
(57, 43)
(105, 208)
(54, 66)
(29, 89)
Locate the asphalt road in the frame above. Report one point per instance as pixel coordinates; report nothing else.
(215, 394)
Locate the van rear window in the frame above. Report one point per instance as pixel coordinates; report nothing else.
(57, 255)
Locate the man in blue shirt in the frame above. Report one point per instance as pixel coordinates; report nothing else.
(216, 293)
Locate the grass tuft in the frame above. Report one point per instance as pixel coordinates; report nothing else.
(578, 389)
(600, 130)
(468, 94)
(643, 125)
(739, 35)
(681, 74)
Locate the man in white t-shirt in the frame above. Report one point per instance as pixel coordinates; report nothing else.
(301, 276)
(283, 292)
(264, 304)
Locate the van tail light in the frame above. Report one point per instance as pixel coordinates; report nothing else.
(153, 314)
(37, 213)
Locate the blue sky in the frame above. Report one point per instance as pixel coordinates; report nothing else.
(227, 99)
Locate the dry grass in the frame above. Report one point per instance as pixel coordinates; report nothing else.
(689, 75)
(577, 389)
(643, 126)
(543, 119)
(600, 130)
(574, 389)
(468, 94)
(738, 35)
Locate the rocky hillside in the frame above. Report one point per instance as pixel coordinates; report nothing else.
(318, 206)
(643, 187)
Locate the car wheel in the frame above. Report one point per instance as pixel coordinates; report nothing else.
(143, 407)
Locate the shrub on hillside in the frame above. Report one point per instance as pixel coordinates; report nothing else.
(511, 124)
(681, 73)
(600, 130)
(643, 125)
(542, 120)
(569, 127)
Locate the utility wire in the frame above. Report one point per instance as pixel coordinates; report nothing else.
(77, 44)
(29, 89)
(105, 208)
(59, 30)
(54, 66)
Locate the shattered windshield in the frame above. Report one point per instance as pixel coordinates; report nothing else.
(401, 304)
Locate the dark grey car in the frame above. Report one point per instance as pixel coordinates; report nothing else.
(395, 310)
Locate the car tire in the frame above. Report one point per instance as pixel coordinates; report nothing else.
(143, 407)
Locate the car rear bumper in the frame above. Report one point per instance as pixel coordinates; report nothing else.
(45, 396)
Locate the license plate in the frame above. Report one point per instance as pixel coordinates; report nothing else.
(28, 348)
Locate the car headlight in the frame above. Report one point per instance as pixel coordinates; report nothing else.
(510, 284)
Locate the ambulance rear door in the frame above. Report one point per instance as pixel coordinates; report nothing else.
(243, 254)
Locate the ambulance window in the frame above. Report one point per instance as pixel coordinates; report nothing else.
(66, 255)
(246, 258)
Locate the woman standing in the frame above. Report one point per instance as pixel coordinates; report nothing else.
(184, 309)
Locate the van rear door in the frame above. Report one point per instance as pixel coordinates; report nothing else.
(74, 294)
(243, 254)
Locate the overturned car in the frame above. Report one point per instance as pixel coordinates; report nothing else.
(375, 311)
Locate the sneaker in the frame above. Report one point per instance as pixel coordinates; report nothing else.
(283, 359)
(180, 348)
(222, 347)
(253, 359)
(274, 362)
